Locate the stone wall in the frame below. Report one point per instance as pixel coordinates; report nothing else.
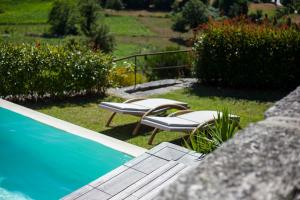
(261, 162)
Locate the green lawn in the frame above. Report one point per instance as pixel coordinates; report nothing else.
(24, 11)
(127, 26)
(125, 49)
(249, 105)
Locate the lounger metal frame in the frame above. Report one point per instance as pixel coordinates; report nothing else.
(201, 126)
(153, 111)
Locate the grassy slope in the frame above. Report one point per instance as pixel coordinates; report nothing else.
(24, 11)
(22, 18)
(267, 8)
(127, 25)
(92, 117)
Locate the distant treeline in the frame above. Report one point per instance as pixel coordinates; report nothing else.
(143, 4)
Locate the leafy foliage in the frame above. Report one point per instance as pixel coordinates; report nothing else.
(239, 53)
(99, 34)
(102, 39)
(134, 4)
(114, 4)
(62, 18)
(88, 12)
(122, 75)
(206, 141)
(163, 4)
(238, 8)
(51, 70)
(233, 8)
(193, 13)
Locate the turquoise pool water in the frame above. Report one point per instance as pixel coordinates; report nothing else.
(41, 162)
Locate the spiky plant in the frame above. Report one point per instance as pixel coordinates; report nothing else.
(205, 141)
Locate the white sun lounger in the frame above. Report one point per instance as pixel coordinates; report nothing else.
(182, 121)
(141, 107)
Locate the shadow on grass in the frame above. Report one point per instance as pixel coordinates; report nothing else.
(180, 41)
(247, 94)
(124, 132)
(65, 102)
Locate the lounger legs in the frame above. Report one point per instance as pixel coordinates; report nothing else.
(155, 131)
(110, 119)
(136, 129)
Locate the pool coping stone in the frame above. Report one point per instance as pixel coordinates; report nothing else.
(111, 142)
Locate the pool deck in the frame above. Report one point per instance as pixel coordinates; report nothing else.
(141, 178)
(74, 129)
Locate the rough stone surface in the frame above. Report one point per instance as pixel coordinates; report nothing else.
(288, 106)
(261, 162)
(152, 88)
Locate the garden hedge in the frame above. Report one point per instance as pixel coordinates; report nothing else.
(242, 54)
(51, 70)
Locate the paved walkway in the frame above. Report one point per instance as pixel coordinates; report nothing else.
(152, 88)
(141, 178)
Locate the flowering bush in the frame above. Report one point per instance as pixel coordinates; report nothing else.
(238, 53)
(123, 75)
(50, 70)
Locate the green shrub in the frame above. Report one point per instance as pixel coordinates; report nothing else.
(238, 8)
(102, 39)
(114, 4)
(244, 54)
(88, 13)
(163, 4)
(193, 13)
(51, 70)
(180, 23)
(206, 141)
(63, 18)
(178, 5)
(164, 61)
(136, 4)
(256, 16)
(233, 8)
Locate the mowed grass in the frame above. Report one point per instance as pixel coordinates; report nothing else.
(249, 105)
(24, 11)
(127, 26)
(126, 49)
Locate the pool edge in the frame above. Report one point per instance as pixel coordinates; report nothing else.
(111, 142)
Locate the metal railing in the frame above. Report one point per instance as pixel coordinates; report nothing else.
(136, 56)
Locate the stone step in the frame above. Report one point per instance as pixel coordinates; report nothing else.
(150, 182)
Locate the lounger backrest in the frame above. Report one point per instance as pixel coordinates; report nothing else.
(123, 106)
(155, 102)
(200, 116)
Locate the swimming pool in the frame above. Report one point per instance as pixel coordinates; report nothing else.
(38, 161)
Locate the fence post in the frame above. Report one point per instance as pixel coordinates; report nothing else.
(135, 72)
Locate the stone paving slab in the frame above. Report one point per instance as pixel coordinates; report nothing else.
(152, 88)
(141, 178)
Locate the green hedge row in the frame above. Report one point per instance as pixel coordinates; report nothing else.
(51, 70)
(240, 54)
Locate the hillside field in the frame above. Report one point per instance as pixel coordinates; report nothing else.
(25, 21)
